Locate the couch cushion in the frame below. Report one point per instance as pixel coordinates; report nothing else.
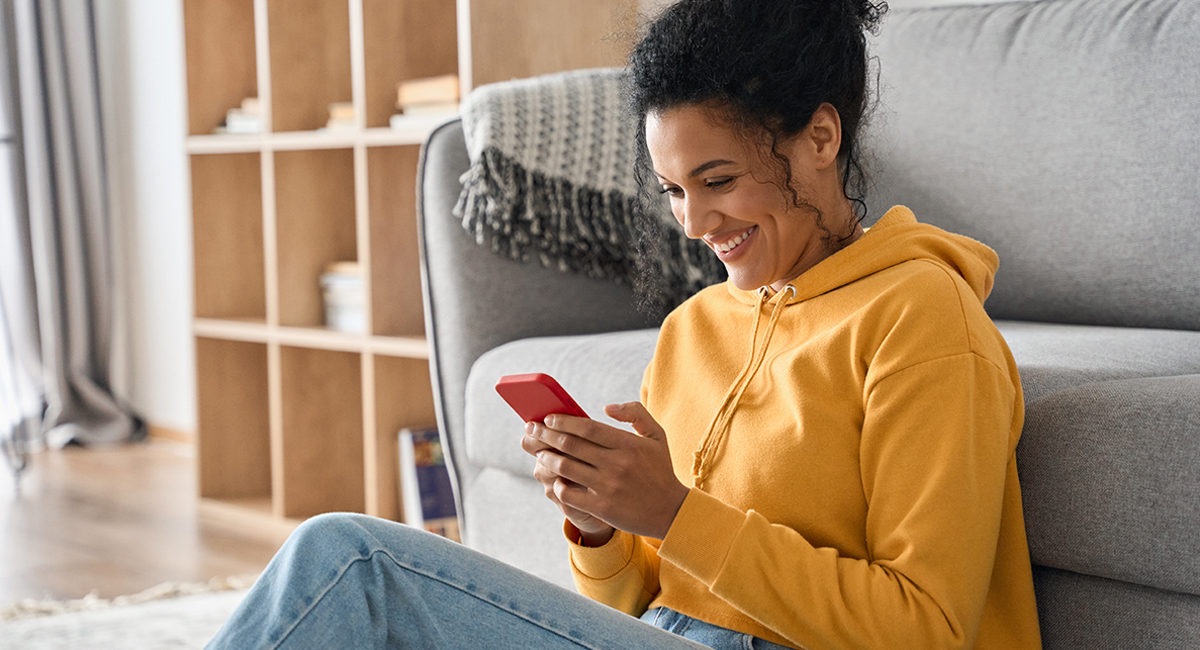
(1055, 357)
(1110, 476)
(596, 370)
(1079, 612)
(1063, 134)
(1110, 454)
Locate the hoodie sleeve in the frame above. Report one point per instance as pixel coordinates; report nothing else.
(935, 455)
(622, 574)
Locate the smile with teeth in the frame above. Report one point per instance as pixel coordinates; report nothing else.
(735, 242)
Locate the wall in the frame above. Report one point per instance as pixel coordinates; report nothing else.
(142, 73)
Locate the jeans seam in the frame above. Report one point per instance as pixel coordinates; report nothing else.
(317, 601)
(430, 576)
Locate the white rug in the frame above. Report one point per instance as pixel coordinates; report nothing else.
(146, 621)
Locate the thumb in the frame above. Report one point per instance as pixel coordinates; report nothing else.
(635, 414)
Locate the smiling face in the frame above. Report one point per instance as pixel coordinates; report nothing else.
(721, 190)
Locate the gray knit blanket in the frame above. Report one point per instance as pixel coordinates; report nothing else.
(552, 179)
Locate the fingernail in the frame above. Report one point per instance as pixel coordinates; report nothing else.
(550, 421)
(529, 428)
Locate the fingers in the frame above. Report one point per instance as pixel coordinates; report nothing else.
(557, 488)
(595, 432)
(638, 417)
(529, 443)
(569, 495)
(554, 464)
(570, 443)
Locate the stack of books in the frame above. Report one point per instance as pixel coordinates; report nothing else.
(243, 120)
(344, 297)
(425, 489)
(341, 117)
(430, 96)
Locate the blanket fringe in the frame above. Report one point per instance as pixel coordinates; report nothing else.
(525, 215)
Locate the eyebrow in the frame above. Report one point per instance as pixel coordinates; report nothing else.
(707, 166)
(703, 168)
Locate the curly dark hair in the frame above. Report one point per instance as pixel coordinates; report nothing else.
(765, 66)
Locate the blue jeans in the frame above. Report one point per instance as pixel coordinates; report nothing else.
(352, 581)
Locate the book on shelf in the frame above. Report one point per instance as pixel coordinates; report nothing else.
(425, 490)
(341, 117)
(243, 120)
(430, 90)
(429, 96)
(342, 294)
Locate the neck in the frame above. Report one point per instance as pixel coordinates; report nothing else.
(845, 230)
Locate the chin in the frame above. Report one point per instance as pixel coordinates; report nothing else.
(745, 281)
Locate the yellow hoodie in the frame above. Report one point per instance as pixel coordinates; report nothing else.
(851, 444)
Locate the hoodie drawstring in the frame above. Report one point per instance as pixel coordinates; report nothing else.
(702, 458)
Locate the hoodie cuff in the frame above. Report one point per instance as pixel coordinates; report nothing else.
(702, 535)
(599, 562)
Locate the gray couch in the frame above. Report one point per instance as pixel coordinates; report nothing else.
(1063, 133)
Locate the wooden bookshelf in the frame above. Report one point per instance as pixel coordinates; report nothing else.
(296, 419)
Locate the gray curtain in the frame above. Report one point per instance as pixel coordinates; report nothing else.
(21, 402)
(56, 260)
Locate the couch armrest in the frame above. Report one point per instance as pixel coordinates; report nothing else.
(476, 300)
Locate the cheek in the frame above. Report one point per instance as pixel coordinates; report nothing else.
(758, 199)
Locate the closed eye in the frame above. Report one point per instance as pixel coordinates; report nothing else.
(718, 182)
(671, 190)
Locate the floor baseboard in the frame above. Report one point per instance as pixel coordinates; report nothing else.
(165, 433)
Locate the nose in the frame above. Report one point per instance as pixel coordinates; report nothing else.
(696, 216)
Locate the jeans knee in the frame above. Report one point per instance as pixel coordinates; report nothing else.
(346, 534)
(325, 525)
(326, 532)
(328, 522)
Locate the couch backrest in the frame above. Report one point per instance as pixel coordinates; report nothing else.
(1063, 133)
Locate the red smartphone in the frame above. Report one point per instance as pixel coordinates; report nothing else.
(536, 395)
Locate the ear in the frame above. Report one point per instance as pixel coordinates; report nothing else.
(825, 132)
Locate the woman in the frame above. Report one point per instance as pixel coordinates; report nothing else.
(824, 447)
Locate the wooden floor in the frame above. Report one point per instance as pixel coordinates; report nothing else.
(115, 521)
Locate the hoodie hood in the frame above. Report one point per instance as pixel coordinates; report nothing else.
(907, 240)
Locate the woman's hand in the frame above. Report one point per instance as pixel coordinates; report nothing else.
(601, 474)
(594, 532)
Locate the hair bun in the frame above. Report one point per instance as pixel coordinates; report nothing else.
(867, 13)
